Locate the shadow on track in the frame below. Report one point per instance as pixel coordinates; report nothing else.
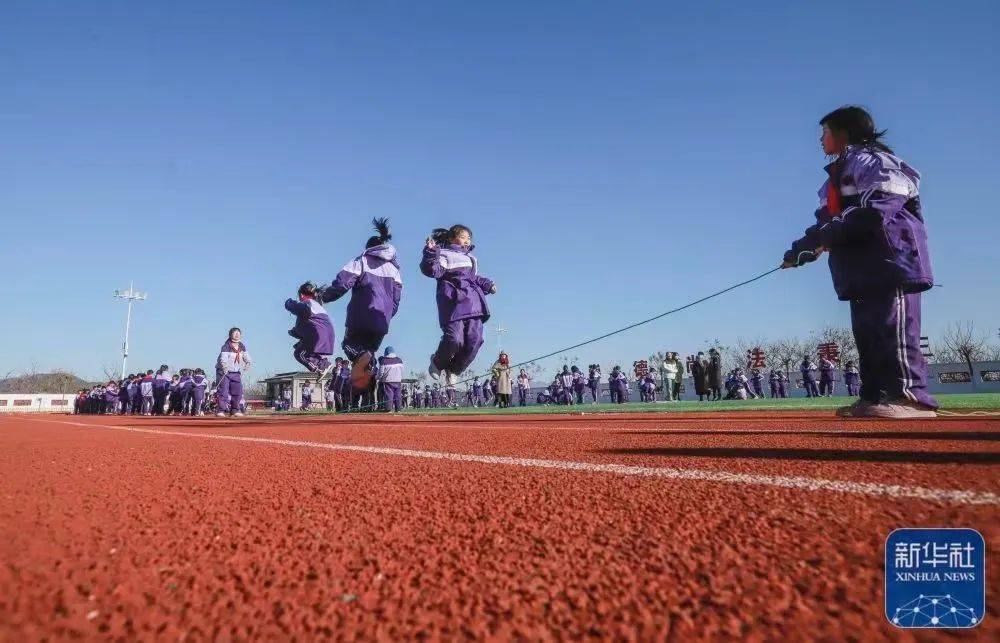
(843, 455)
(988, 436)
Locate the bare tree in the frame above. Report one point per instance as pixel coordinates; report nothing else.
(787, 351)
(963, 341)
(843, 337)
(656, 360)
(110, 372)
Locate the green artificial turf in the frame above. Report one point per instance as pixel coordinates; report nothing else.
(950, 402)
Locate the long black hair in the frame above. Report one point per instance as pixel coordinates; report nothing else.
(446, 235)
(381, 225)
(857, 124)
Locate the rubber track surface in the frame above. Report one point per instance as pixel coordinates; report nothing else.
(407, 528)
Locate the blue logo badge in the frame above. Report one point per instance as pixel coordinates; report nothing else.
(935, 578)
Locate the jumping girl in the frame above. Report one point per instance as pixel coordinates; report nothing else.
(314, 331)
(461, 300)
(376, 287)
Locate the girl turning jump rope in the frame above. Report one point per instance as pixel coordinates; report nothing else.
(870, 221)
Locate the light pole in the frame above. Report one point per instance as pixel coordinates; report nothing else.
(500, 331)
(129, 295)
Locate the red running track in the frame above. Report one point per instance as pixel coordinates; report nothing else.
(679, 527)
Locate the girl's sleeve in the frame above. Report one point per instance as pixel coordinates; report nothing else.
(397, 295)
(803, 250)
(297, 308)
(431, 264)
(346, 278)
(485, 283)
(884, 189)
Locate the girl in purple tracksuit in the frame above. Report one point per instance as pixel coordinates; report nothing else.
(618, 385)
(649, 387)
(566, 386)
(461, 299)
(851, 379)
(313, 330)
(523, 386)
(390, 373)
(594, 381)
(579, 384)
(376, 286)
(870, 220)
(477, 392)
(199, 385)
(233, 360)
(185, 386)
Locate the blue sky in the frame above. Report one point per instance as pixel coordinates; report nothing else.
(613, 159)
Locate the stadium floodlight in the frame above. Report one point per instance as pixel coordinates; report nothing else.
(129, 295)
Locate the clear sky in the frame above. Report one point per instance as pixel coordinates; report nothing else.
(613, 159)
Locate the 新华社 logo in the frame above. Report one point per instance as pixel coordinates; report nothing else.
(935, 578)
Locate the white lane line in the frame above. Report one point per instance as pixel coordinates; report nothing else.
(955, 496)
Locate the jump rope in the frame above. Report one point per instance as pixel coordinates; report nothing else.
(609, 334)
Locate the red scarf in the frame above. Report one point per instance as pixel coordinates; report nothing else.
(833, 205)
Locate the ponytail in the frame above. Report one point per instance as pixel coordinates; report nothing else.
(381, 225)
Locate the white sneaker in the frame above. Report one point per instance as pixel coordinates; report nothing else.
(237, 415)
(220, 414)
(857, 410)
(451, 379)
(325, 373)
(433, 370)
(900, 410)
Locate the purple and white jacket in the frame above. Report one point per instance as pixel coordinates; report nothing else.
(390, 369)
(461, 291)
(232, 360)
(877, 242)
(376, 287)
(312, 325)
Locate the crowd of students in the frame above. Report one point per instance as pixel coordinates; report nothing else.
(187, 392)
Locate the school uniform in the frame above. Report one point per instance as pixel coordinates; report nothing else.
(307, 398)
(757, 383)
(826, 377)
(199, 386)
(808, 371)
(523, 387)
(618, 387)
(775, 380)
(161, 388)
(229, 375)
(461, 303)
(376, 286)
(146, 393)
(579, 385)
(594, 383)
(852, 380)
(185, 387)
(566, 385)
(391, 375)
(315, 333)
(871, 221)
(649, 387)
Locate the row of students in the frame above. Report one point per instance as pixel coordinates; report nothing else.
(149, 393)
